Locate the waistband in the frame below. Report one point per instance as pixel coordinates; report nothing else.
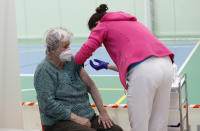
(135, 64)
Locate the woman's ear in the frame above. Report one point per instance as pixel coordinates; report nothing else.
(97, 23)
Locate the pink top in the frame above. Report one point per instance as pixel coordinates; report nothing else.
(126, 40)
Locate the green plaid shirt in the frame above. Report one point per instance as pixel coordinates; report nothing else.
(60, 92)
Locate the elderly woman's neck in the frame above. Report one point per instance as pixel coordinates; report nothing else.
(56, 61)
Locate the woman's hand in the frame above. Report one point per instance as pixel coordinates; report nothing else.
(105, 120)
(101, 64)
(80, 120)
(84, 121)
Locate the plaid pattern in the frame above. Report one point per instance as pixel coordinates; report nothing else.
(60, 92)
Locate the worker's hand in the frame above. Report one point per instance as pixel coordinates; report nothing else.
(101, 64)
(105, 120)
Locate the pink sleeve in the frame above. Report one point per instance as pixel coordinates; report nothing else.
(94, 41)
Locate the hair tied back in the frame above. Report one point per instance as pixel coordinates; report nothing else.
(102, 9)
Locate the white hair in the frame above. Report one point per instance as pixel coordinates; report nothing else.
(56, 36)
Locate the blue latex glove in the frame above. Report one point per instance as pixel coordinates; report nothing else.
(101, 64)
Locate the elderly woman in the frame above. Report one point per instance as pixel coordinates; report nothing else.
(62, 89)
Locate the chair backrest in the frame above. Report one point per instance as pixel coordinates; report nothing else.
(41, 121)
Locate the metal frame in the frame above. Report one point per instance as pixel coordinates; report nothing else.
(183, 83)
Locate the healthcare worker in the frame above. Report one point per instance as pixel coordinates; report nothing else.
(144, 65)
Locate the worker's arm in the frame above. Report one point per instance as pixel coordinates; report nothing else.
(113, 67)
(95, 40)
(92, 89)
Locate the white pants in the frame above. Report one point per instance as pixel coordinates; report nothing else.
(148, 94)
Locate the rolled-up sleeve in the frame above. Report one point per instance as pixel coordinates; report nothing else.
(94, 41)
(46, 88)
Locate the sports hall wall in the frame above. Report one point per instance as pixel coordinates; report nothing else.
(168, 19)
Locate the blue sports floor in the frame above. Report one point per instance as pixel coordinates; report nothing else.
(107, 81)
(31, 55)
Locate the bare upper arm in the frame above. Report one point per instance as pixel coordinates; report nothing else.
(86, 79)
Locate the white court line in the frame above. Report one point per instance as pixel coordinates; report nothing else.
(115, 89)
(105, 75)
(180, 46)
(188, 58)
(32, 89)
(26, 74)
(89, 75)
(178, 39)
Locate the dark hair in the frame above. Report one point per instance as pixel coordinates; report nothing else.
(100, 12)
